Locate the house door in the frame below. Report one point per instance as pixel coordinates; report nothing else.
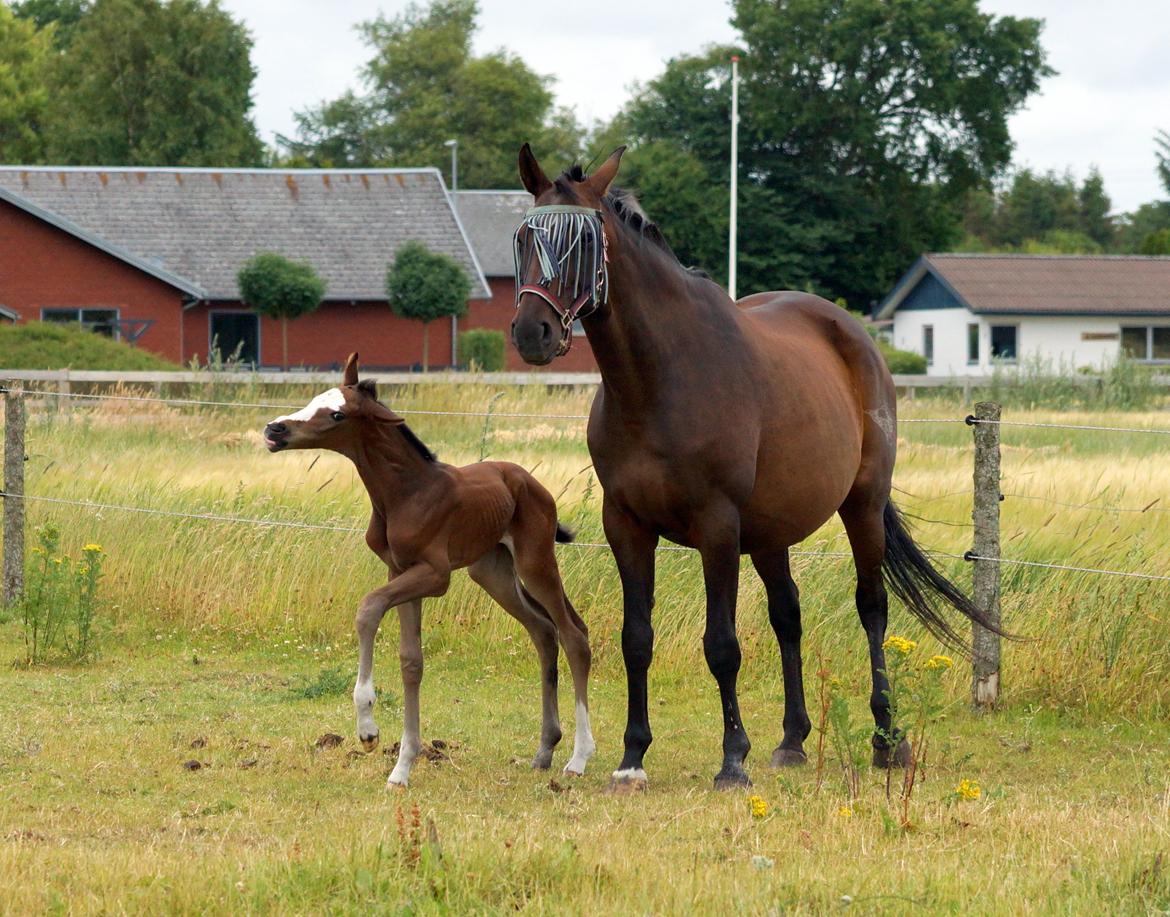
(235, 337)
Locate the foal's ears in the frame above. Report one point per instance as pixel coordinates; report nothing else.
(376, 409)
(350, 376)
(600, 180)
(531, 174)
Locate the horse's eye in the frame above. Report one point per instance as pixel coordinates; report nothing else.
(338, 416)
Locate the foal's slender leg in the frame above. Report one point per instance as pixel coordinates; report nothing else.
(496, 575)
(539, 582)
(633, 549)
(405, 590)
(784, 614)
(410, 659)
(719, 548)
(863, 525)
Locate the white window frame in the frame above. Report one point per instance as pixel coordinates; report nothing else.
(1149, 357)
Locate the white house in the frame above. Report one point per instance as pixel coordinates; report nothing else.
(968, 313)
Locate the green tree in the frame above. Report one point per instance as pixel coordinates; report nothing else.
(63, 15)
(863, 125)
(279, 288)
(155, 82)
(423, 285)
(24, 97)
(1162, 155)
(1147, 220)
(1094, 206)
(1156, 243)
(425, 87)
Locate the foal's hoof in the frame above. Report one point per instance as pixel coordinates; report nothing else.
(788, 757)
(732, 778)
(369, 743)
(886, 757)
(628, 782)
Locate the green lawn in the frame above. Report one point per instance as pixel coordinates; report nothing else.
(231, 645)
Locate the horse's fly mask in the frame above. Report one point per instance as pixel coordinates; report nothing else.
(568, 244)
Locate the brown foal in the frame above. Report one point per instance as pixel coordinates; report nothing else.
(429, 518)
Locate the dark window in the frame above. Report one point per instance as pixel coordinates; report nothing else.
(1160, 344)
(1003, 342)
(1133, 343)
(972, 343)
(928, 343)
(236, 337)
(100, 321)
(1146, 343)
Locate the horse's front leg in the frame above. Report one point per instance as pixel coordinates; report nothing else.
(719, 548)
(406, 589)
(410, 658)
(633, 549)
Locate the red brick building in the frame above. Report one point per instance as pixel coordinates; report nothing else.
(154, 252)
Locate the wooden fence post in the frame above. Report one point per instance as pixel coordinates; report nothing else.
(986, 576)
(14, 485)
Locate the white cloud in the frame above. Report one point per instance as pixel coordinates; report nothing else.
(1111, 95)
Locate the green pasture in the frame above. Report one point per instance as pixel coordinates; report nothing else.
(231, 645)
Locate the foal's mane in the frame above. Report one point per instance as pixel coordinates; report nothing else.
(629, 212)
(369, 389)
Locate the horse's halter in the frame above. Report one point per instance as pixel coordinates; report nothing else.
(564, 237)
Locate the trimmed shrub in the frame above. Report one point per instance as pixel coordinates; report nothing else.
(902, 362)
(481, 350)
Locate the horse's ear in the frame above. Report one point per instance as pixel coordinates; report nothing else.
(600, 180)
(378, 410)
(531, 174)
(350, 376)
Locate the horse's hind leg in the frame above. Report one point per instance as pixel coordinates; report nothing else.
(867, 538)
(536, 564)
(784, 614)
(496, 575)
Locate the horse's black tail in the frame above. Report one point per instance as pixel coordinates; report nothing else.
(911, 576)
(565, 535)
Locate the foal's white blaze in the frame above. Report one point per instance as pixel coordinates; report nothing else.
(334, 400)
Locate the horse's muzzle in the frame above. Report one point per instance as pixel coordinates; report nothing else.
(536, 341)
(275, 437)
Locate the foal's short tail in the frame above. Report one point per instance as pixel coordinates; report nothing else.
(911, 576)
(565, 535)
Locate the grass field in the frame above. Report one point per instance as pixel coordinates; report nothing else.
(231, 645)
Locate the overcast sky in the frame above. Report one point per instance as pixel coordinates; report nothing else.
(1111, 94)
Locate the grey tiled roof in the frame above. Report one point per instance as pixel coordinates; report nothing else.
(203, 224)
(1045, 284)
(491, 218)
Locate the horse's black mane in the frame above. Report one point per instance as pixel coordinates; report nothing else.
(419, 446)
(625, 206)
(369, 388)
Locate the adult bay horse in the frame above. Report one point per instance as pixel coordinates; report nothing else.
(428, 519)
(728, 427)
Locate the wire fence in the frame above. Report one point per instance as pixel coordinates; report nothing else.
(970, 420)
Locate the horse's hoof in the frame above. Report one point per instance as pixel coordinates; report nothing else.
(542, 761)
(788, 757)
(732, 778)
(628, 782)
(574, 769)
(886, 757)
(392, 784)
(369, 743)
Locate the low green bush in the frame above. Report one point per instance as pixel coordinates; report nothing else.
(481, 350)
(60, 603)
(902, 362)
(46, 345)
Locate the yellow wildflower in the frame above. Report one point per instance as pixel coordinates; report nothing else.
(900, 645)
(845, 812)
(759, 806)
(92, 548)
(968, 789)
(83, 569)
(58, 561)
(38, 550)
(939, 662)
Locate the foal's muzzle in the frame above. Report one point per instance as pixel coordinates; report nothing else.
(275, 436)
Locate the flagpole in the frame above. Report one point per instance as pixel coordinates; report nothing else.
(731, 241)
